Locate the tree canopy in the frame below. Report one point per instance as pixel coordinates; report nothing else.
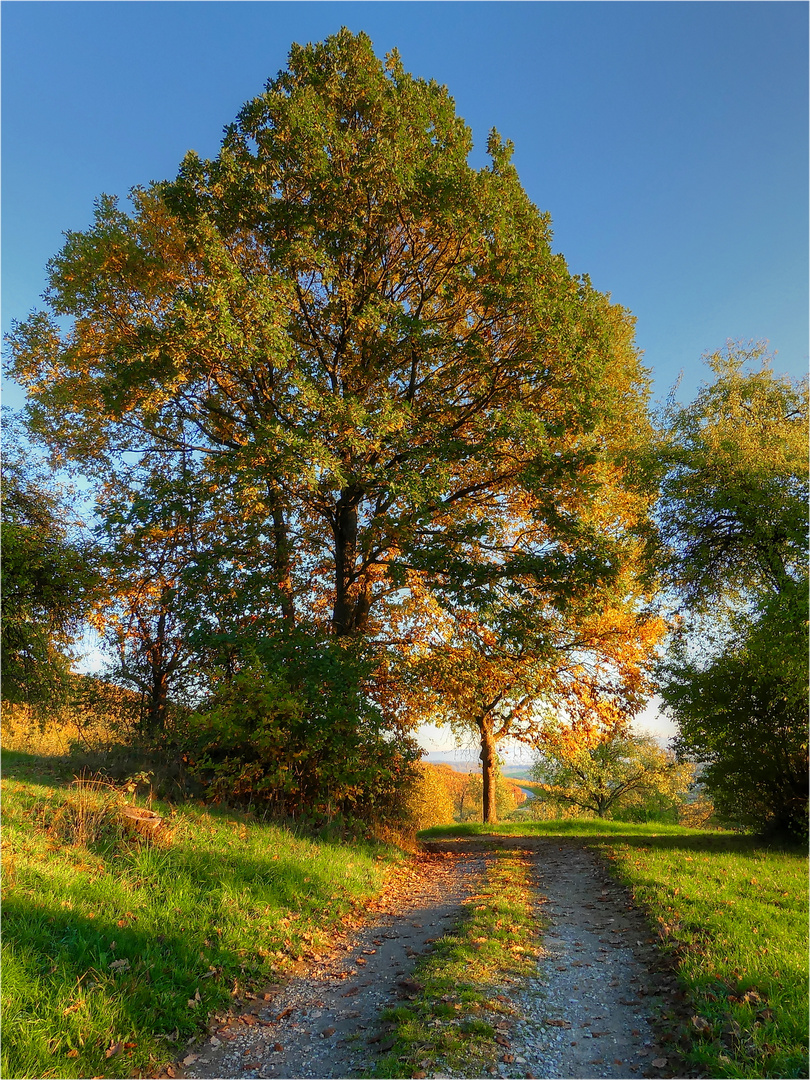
(606, 771)
(364, 347)
(734, 511)
(335, 380)
(49, 578)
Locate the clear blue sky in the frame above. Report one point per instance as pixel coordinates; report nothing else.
(667, 140)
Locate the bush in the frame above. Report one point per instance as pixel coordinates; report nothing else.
(431, 798)
(743, 718)
(294, 732)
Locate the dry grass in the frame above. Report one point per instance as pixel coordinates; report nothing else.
(27, 731)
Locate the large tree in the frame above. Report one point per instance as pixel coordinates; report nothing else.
(364, 343)
(734, 513)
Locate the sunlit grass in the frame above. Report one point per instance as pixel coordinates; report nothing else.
(733, 915)
(124, 948)
(585, 827)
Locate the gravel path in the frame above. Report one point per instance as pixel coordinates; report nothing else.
(585, 1014)
(319, 1024)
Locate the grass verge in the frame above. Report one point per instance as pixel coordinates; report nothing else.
(458, 1006)
(731, 914)
(116, 951)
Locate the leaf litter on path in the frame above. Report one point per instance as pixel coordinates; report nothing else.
(322, 1023)
(586, 1014)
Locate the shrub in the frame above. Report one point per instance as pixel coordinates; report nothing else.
(430, 801)
(294, 732)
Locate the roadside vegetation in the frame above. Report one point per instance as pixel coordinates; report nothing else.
(731, 916)
(117, 948)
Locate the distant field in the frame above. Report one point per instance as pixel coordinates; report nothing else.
(732, 913)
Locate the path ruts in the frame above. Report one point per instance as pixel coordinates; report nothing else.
(585, 1014)
(319, 1024)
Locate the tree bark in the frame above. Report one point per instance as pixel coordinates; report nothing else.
(283, 563)
(352, 602)
(489, 770)
(158, 691)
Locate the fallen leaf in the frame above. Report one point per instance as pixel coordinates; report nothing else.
(113, 1050)
(190, 1059)
(327, 1032)
(278, 1047)
(73, 1053)
(559, 1023)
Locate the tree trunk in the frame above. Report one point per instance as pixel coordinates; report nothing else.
(352, 602)
(489, 770)
(158, 678)
(282, 559)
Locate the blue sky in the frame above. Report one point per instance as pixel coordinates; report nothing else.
(668, 141)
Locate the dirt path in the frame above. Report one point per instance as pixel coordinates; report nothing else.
(586, 1013)
(319, 1024)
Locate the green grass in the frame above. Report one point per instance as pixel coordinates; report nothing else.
(125, 948)
(731, 915)
(569, 827)
(452, 1022)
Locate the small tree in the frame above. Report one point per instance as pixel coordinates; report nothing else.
(49, 576)
(604, 772)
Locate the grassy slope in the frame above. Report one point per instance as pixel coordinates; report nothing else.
(227, 905)
(731, 913)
